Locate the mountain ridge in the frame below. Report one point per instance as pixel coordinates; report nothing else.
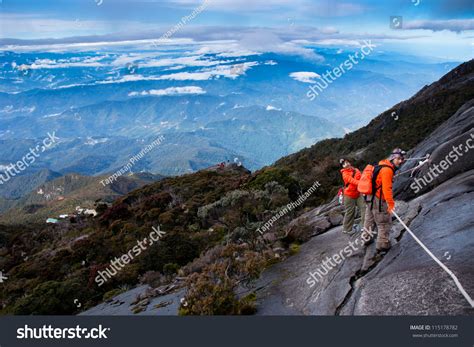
(212, 248)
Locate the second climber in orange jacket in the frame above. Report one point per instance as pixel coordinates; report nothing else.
(352, 198)
(380, 207)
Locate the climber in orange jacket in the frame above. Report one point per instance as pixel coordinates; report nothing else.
(380, 207)
(385, 180)
(352, 198)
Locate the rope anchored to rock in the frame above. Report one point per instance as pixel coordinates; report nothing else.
(423, 161)
(444, 267)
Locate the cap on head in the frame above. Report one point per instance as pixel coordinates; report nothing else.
(397, 153)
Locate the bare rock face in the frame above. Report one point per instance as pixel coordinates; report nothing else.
(316, 221)
(454, 132)
(336, 218)
(335, 274)
(141, 300)
(406, 281)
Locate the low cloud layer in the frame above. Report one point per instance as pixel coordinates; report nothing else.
(456, 25)
(305, 76)
(170, 91)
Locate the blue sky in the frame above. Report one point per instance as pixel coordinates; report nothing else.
(437, 28)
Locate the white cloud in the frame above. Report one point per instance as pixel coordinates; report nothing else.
(264, 41)
(336, 8)
(456, 25)
(170, 91)
(129, 78)
(228, 71)
(195, 60)
(65, 63)
(240, 5)
(173, 68)
(124, 59)
(96, 45)
(27, 25)
(305, 76)
(272, 108)
(225, 49)
(330, 42)
(231, 71)
(301, 7)
(187, 76)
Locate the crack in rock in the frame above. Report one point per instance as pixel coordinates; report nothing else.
(361, 273)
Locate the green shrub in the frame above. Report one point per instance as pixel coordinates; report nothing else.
(112, 293)
(170, 269)
(247, 305)
(274, 174)
(294, 248)
(58, 298)
(210, 293)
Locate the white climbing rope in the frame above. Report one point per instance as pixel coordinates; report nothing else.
(427, 156)
(444, 267)
(422, 162)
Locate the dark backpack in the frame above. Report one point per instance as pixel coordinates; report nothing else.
(375, 174)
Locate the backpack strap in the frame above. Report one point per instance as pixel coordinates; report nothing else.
(374, 183)
(377, 169)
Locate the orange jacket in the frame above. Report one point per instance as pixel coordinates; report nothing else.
(350, 183)
(385, 178)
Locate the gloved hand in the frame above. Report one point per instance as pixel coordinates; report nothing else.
(391, 208)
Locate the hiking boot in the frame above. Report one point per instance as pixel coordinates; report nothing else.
(368, 242)
(366, 238)
(379, 254)
(348, 232)
(383, 247)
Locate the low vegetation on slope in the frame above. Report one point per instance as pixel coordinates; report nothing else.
(210, 219)
(63, 194)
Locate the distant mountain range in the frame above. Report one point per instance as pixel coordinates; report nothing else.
(257, 133)
(106, 106)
